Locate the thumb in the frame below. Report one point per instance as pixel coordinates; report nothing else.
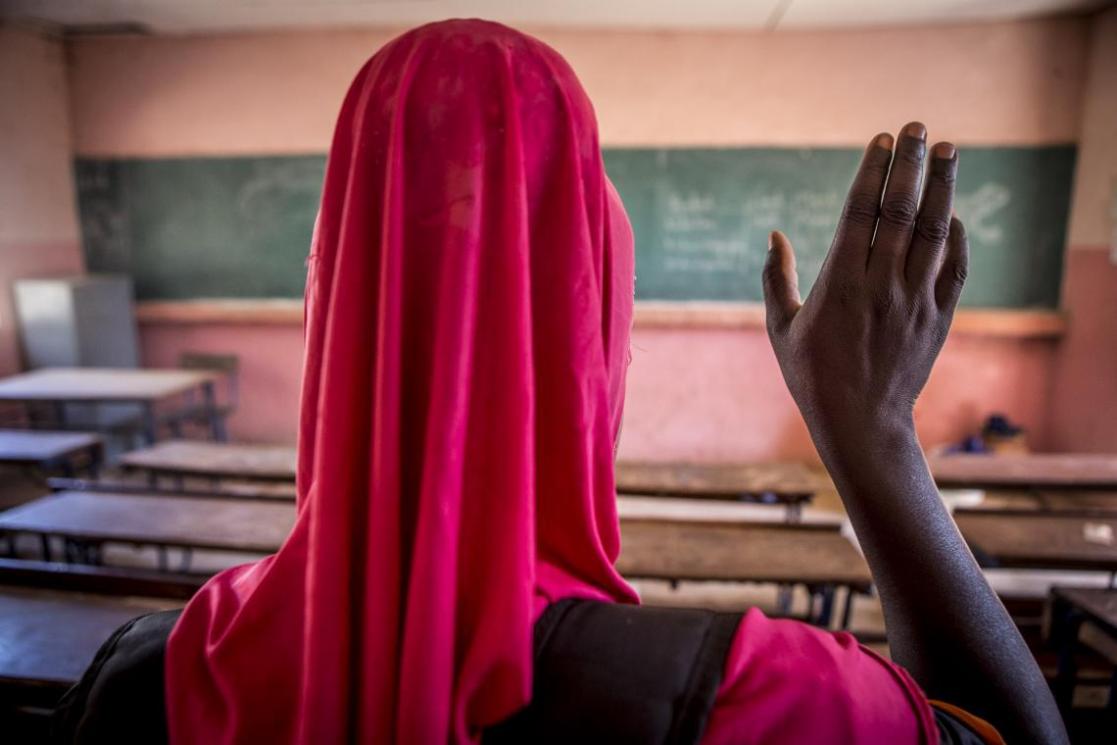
(781, 283)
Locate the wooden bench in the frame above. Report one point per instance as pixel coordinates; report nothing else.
(784, 554)
(67, 452)
(87, 520)
(693, 511)
(790, 484)
(1081, 617)
(1041, 540)
(53, 619)
(250, 491)
(214, 460)
(1029, 471)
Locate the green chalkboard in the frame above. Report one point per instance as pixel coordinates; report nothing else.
(240, 227)
(201, 227)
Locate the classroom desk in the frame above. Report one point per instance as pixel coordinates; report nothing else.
(214, 460)
(49, 637)
(66, 451)
(90, 519)
(1041, 540)
(1080, 616)
(54, 618)
(1033, 470)
(791, 484)
(783, 554)
(67, 385)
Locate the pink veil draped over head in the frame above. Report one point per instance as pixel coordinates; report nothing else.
(468, 306)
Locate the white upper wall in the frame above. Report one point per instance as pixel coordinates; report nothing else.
(203, 16)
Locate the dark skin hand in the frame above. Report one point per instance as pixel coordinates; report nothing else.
(855, 356)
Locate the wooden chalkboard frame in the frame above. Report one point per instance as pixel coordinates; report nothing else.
(991, 322)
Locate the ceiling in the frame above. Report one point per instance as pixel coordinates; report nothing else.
(192, 16)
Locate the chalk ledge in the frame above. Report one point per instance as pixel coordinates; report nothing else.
(993, 322)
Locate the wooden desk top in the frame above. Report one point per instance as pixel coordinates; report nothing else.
(50, 637)
(1056, 470)
(660, 550)
(1041, 540)
(29, 446)
(215, 459)
(221, 524)
(782, 481)
(100, 384)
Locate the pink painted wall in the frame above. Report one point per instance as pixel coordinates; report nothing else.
(698, 394)
(692, 394)
(38, 225)
(1084, 401)
(1008, 83)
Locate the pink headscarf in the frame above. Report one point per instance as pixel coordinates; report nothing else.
(468, 306)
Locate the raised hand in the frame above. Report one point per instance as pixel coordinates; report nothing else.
(855, 356)
(864, 342)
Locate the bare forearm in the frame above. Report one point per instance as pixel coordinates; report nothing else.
(945, 624)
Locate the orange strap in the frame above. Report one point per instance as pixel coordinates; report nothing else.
(981, 727)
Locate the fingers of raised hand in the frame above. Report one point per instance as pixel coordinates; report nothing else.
(932, 225)
(850, 249)
(781, 283)
(900, 204)
(955, 265)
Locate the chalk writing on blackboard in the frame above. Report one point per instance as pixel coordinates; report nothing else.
(980, 210)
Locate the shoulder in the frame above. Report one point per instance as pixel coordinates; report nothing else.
(777, 669)
(120, 697)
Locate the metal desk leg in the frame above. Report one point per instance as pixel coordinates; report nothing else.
(826, 612)
(847, 612)
(216, 423)
(96, 460)
(1065, 624)
(783, 599)
(150, 427)
(59, 414)
(794, 512)
(187, 555)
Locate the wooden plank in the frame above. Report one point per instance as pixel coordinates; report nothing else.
(101, 580)
(776, 482)
(48, 638)
(671, 551)
(228, 524)
(651, 314)
(1041, 540)
(252, 490)
(38, 447)
(721, 512)
(1054, 470)
(100, 384)
(215, 459)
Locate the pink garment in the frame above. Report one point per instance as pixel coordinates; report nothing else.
(468, 305)
(786, 682)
